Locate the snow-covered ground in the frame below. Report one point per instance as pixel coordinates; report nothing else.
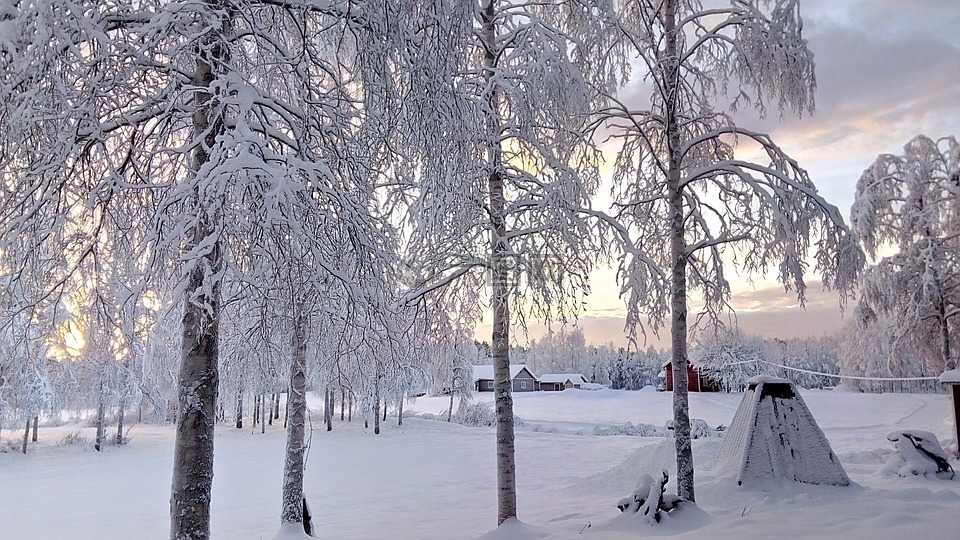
(433, 480)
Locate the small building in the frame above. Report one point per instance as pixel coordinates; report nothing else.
(554, 382)
(951, 378)
(695, 381)
(773, 435)
(523, 379)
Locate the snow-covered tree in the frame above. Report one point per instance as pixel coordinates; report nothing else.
(911, 203)
(730, 358)
(688, 207)
(217, 121)
(502, 166)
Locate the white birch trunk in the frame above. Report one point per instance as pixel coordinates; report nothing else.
(292, 509)
(119, 439)
(101, 413)
(26, 435)
(239, 406)
(328, 409)
(198, 378)
(400, 411)
(376, 405)
(500, 339)
(679, 360)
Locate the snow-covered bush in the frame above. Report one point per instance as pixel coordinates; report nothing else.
(73, 439)
(649, 499)
(477, 414)
(699, 429)
(639, 430)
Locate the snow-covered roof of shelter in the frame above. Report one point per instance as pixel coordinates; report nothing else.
(486, 371)
(575, 378)
(952, 376)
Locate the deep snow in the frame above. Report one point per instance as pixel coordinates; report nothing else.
(433, 480)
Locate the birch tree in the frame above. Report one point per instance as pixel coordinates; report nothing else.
(502, 166)
(911, 203)
(687, 207)
(196, 112)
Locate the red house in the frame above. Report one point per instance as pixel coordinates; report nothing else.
(695, 381)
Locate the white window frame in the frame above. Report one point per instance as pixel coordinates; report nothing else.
(523, 385)
(490, 385)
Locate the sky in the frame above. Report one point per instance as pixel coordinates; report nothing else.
(887, 70)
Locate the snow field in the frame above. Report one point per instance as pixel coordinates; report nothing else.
(433, 480)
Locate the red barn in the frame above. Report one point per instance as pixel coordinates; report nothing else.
(695, 381)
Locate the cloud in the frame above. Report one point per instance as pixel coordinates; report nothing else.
(887, 70)
(768, 311)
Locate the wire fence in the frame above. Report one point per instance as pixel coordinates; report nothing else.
(924, 384)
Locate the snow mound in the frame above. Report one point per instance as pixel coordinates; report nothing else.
(774, 435)
(686, 517)
(514, 529)
(291, 531)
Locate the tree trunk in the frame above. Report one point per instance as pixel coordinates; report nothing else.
(450, 408)
(264, 412)
(678, 255)
(199, 377)
(239, 406)
(197, 396)
(376, 406)
(119, 439)
(26, 435)
(350, 407)
(292, 509)
(328, 409)
(270, 409)
(384, 409)
(101, 413)
(944, 324)
(400, 411)
(36, 420)
(276, 406)
(500, 339)
(342, 401)
(256, 409)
